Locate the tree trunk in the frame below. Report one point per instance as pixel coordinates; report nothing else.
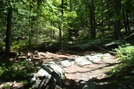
(30, 26)
(127, 24)
(102, 16)
(8, 32)
(61, 25)
(92, 19)
(117, 30)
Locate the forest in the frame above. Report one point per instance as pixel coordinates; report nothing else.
(36, 29)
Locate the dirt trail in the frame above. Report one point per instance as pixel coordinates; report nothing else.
(89, 72)
(76, 73)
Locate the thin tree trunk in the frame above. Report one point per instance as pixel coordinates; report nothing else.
(117, 30)
(61, 25)
(127, 23)
(92, 19)
(30, 28)
(102, 4)
(8, 32)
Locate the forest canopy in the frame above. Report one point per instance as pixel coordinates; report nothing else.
(36, 21)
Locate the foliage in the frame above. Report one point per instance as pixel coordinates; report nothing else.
(89, 44)
(127, 85)
(123, 72)
(22, 45)
(6, 86)
(17, 45)
(126, 59)
(125, 54)
(2, 44)
(15, 70)
(40, 21)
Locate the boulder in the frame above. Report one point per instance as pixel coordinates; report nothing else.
(40, 79)
(49, 76)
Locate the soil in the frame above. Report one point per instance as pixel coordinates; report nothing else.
(96, 72)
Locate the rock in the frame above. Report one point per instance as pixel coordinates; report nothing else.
(49, 76)
(85, 60)
(40, 79)
(81, 61)
(67, 63)
(56, 68)
(94, 59)
(98, 57)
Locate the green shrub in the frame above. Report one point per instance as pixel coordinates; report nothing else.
(22, 45)
(123, 72)
(17, 45)
(125, 54)
(126, 85)
(15, 70)
(2, 44)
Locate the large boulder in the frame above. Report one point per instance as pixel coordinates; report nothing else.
(49, 76)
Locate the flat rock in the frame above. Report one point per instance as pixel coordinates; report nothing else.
(66, 63)
(81, 61)
(85, 60)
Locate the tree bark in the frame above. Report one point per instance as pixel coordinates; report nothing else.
(61, 25)
(92, 19)
(8, 32)
(117, 30)
(126, 23)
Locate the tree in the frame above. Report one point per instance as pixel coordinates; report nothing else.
(117, 30)
(8, 31)
(92, 19)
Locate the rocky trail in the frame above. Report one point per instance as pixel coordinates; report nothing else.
(88, 67)
(83, 69)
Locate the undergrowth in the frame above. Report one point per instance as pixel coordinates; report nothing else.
(11, 71)
(124, 72)
(125, 54)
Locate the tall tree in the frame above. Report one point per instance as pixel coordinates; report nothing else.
(8, 31)
(127, 9)
(61, 24)
(117, 30)
(92, 19)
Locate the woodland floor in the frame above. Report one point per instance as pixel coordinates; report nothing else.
(95, 72)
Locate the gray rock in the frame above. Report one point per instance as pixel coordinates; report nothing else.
(40, 79)
(67, 63)
(85, 60)
(49, 76)
(82, 61)
(56, 68)
(94, 58)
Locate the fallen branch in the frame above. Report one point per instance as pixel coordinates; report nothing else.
(110, 52)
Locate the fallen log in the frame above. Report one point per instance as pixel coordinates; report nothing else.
(110, 52)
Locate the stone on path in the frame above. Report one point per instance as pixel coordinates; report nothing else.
(49, 76)
(67, 63)
(85, 60)
(81, 61)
